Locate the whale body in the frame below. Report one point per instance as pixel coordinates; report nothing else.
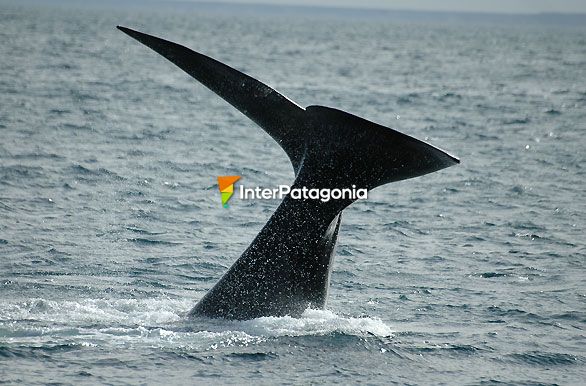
(286, 269)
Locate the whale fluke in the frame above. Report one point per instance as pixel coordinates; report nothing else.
(275, 113)
(287, 266)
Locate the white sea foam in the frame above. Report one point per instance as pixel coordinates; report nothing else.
(97, 311)
(161, 322)
(315, 322)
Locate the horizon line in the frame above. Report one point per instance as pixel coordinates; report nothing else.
(341, 7)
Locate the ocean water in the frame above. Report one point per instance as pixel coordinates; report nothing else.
(111, 226)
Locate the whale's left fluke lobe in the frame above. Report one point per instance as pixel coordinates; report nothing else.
(275, 113)
(287, 267)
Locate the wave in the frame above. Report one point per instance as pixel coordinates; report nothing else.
(538, 358)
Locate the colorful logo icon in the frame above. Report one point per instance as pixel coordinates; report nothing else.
(226, 184)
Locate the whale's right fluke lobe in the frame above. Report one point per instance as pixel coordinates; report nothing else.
(350, 150)
(287, 266)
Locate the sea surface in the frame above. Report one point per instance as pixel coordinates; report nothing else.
(111, 225)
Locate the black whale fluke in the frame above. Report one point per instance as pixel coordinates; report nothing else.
(287, 267)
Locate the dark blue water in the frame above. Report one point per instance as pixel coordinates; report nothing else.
(111, 226)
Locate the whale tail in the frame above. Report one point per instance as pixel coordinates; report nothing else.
(328, 148)
(287, 266)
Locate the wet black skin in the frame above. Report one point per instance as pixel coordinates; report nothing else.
(286, 269)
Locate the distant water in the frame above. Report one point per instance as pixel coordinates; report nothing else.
(111, 226)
